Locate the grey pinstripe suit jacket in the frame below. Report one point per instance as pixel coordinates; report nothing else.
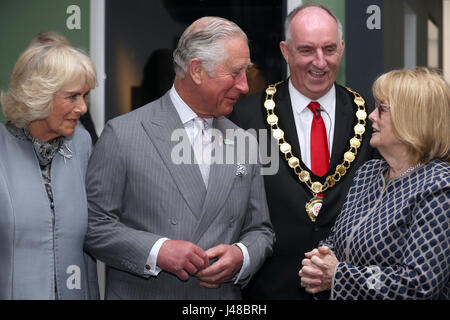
(136, 195)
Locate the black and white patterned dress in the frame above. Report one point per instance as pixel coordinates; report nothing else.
(393, 239)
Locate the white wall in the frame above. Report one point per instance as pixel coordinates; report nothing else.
(291, 4)
(446, 38)
(97, 96)
(97, 53)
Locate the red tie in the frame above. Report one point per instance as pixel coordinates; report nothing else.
(320, 156)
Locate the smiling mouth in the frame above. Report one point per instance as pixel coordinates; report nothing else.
(317, 74)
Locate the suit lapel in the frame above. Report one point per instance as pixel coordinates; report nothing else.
(221, 179)
(285, 114)
(159, 128)
(343, 131)
(343, 128)
(286, 120)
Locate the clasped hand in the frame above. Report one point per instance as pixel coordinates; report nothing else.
(317, 270)
(184, 259)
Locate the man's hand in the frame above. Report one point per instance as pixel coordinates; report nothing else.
(230, 259)
(182, 258)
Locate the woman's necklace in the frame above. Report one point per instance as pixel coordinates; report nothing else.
(403, 174)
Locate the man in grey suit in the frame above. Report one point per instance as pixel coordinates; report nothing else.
(171, 229)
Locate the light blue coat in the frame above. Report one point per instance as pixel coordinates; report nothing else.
(33, 252)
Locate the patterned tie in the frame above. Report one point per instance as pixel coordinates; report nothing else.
(320, 156)
(201, 146)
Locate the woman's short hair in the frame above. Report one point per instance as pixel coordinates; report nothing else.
(40, 72)
(205, 40)
(49, 36)
(419, 103)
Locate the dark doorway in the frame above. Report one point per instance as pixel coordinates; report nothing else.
(141, 35)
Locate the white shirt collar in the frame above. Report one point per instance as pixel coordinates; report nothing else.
(184, 111)
(300, 102)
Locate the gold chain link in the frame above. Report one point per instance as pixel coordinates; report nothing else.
(294, 162)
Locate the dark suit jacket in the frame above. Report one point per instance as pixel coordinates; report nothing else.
(286, 195)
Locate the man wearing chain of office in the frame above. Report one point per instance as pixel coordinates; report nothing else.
(323, 137)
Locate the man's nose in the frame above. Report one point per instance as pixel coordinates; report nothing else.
(241, 82)
(319, 59)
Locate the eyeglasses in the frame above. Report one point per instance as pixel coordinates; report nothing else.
(382, 108)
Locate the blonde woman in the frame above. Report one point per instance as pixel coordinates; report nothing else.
(43, 162)
(392, 238)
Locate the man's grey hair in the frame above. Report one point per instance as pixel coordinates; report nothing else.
(205, 39)
(293, 13)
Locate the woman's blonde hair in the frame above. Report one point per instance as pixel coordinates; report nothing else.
(49, 36)
(420, 111)
(40, 72)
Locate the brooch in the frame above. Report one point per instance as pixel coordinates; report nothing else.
(64, 154)
(241, 170)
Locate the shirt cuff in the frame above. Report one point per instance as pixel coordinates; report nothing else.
(245, 270)
(151, 269)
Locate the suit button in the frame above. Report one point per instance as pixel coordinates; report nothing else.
(316, 228)
(147, 267)
(173, 221)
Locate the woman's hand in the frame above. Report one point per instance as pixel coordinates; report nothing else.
(317, 271)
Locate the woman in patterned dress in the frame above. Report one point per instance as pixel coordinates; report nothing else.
(392, 238)
(43, 162)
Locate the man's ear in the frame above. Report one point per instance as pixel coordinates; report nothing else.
(284, 51)
(342, 47)
(196, 70)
